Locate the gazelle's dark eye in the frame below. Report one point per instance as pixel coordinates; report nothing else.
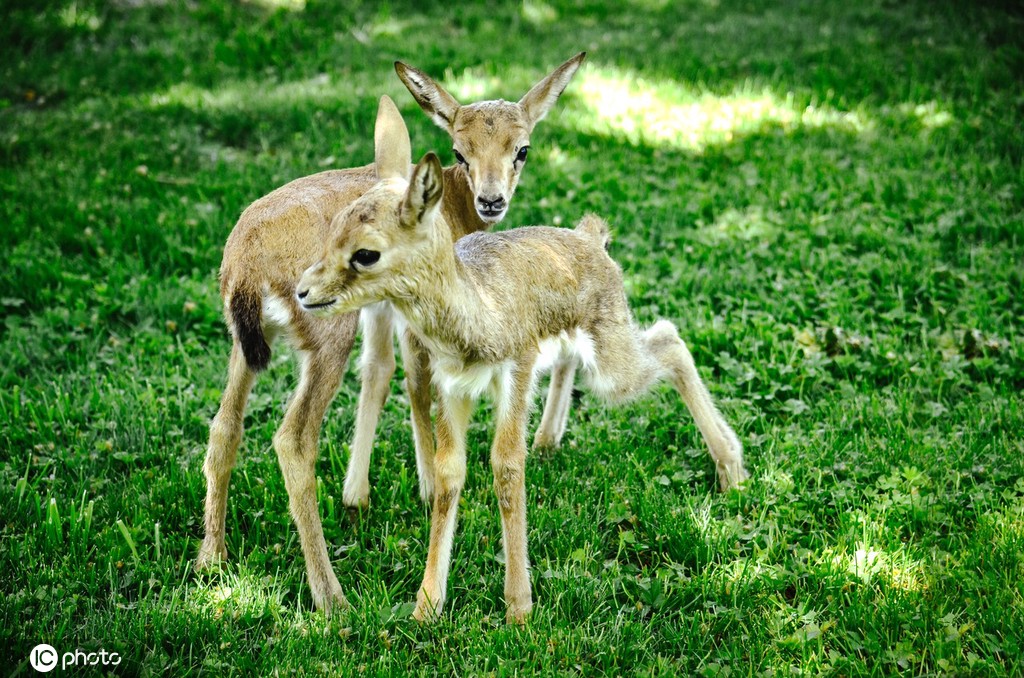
(521, 155)
(459, 158)
(364, 258)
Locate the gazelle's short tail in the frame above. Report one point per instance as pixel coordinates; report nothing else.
(246, 307)
(595, 227)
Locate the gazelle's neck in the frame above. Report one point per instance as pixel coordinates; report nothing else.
(445, 306)
(458, 204)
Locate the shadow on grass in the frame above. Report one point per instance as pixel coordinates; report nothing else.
(140, 46)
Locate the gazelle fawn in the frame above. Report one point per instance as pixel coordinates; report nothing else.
(493, 310)
(276, 239)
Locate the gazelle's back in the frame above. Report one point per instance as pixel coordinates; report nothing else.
(284, 231)
(543, 280)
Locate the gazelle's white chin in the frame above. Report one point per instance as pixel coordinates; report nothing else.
(491, 218)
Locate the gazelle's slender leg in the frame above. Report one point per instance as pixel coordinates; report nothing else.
(377, 365)
(629, 362)
(663, 342)
(417, 381)
(508, 462)
(296, 443)
(221, 453)
(556, 410)
(453, 415)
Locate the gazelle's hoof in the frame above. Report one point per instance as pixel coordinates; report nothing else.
(518, 614)
(427, 610)
(332, 602)
(732, 476)
(210, 555)
(544, 441)
(356, 497)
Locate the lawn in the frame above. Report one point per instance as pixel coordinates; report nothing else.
(826, 197)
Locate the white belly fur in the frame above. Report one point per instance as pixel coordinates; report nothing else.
(472, 381)
(576, 344)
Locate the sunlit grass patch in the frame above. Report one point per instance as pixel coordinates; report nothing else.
(930, 114)
(322, 88)
(666, 112)
(752, 223)
(237, 591)
(289, 5)
(538, 12)
(74, 16)
(894, 569)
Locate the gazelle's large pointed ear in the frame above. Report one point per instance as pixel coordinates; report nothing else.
(435, 102)
(539, 100)
(425, 190)
(392, 151)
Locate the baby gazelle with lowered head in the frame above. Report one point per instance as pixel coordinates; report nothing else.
(493, 310)
(277, 238)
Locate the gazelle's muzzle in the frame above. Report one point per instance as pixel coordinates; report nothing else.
(491, 208)
(310, 291)
(492, 188)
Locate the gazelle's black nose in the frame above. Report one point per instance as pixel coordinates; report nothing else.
(302, 294)
(491, 204)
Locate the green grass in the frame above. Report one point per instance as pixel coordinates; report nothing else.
(828, 198)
